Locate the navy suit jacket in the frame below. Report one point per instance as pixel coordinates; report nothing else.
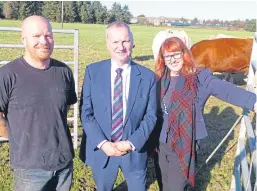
(225, 91)
(96, 113)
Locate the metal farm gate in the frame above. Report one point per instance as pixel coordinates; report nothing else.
(244, 173)
(74, 63)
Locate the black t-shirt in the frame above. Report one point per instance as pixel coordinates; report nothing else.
(35, 104)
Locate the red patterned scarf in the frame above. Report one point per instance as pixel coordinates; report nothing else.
(181, 123)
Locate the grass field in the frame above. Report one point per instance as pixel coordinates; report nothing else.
(219, 116)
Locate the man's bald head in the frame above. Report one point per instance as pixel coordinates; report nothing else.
(33, 21)
(37, 37)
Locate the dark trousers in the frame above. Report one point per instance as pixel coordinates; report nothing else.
(105, 177)
(171, 173)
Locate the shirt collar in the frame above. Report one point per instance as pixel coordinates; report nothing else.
(115, 66)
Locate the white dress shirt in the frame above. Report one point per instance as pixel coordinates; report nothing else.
(125, 87)
(125, 83)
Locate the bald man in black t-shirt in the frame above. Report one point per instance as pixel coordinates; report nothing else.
(35, 92)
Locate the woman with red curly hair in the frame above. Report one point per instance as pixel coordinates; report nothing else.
(183, 91)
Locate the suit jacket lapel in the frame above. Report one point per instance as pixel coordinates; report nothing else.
(104, 78)
(135, 79)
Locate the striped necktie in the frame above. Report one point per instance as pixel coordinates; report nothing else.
(117, 108)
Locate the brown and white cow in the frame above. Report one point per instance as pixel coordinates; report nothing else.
(230, 55)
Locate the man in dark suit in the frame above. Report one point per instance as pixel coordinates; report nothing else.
(118, 113)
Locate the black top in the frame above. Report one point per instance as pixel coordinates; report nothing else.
(35, 104)
(166, 103)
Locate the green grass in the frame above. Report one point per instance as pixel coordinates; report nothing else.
(219, 116)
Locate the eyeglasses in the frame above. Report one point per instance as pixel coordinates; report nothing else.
(176, 55)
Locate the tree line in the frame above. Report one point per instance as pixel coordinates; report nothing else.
(235, 23)
(73, 11)
(93, 12)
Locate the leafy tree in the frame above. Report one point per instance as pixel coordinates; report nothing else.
(70, 13)
(183, 20)
(29, 8)
(117, 13)
(11, 9)
(227, 23)
(195, 21)
(1, 9)
(237, 23)
(85, 12)
(89, 16)
(74, 11)
(79, 8)
(250, 25)
(100, 12)
(110, 17)
(126, 15)
(53, 10)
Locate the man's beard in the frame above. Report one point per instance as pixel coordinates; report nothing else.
(43, 55)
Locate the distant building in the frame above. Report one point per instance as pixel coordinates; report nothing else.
(157, 22)
(163, 21)
(179, 23)
(134, 20)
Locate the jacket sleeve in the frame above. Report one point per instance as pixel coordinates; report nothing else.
(226, 91)
(153, 141)
(92, 129)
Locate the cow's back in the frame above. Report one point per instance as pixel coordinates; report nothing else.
(223, 55)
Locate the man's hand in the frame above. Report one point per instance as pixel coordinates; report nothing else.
(110, 149)
(255, 107)
(123, 146)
